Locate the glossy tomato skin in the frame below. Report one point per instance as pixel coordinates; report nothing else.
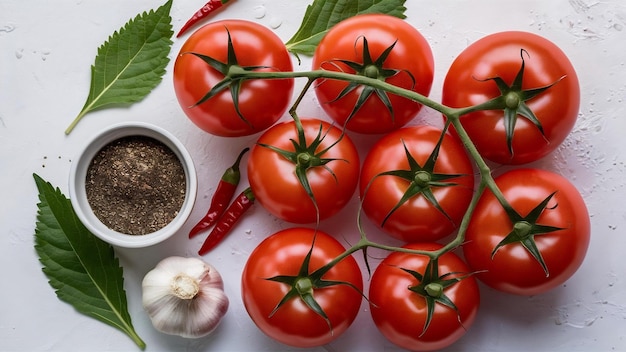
(261, 102)
(416, 220)
(512, 268)
(276, 187)
(294, 323)
(400, 314)
(411, 53)
(499, 54)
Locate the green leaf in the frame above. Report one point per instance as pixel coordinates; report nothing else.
(82, 269)
(131, 62)
(321, 15)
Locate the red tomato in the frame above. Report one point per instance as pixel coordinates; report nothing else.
(400, 313)
(273, 178)
(513, 269)
(261, 102)
(411, 55)
(417, 219)
(500, 55)
(294, 323)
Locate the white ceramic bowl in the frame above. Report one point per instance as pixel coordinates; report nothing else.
(78, 194)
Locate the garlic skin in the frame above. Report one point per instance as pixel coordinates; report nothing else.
(184, 297)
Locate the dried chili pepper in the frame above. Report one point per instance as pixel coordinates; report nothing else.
(204, 12)
(232, 215)
(223, 194)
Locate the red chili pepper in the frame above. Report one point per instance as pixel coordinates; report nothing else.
(207, 9)
(232, 215)
(223, 194)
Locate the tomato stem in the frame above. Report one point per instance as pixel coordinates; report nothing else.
(522, 228)
(422, 178)
(512, 100)
(371, 71)
(358, 79)
(434, 289)
(304, 160)
(304, 286)
(452, 116)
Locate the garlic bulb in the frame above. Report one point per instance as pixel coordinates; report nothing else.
(184, 297)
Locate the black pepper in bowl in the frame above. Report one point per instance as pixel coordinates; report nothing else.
(135, 185)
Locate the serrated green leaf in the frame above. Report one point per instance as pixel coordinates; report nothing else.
(82, 269)
(131, 63)
(321, 15)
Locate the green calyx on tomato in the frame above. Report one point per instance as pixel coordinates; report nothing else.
(304, 285)
(215, 78)
(525, 229)
(399, 48)
(513, 100)
(372, 69)
(233, 76)
(422, 180)
(293, 160)
(432, 288)
(506, 247)
(305, 157)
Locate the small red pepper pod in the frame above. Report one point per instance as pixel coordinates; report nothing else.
(201, 14)
(223, 194)
(226, 223)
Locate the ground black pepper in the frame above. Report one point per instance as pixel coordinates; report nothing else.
(135, 185)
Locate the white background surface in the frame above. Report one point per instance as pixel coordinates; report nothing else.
(46, 49)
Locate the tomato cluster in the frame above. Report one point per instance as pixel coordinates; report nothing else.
(510, 98)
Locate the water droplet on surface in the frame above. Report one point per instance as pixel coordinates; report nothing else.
(275, 22)
(44, 54)
(259, 11)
